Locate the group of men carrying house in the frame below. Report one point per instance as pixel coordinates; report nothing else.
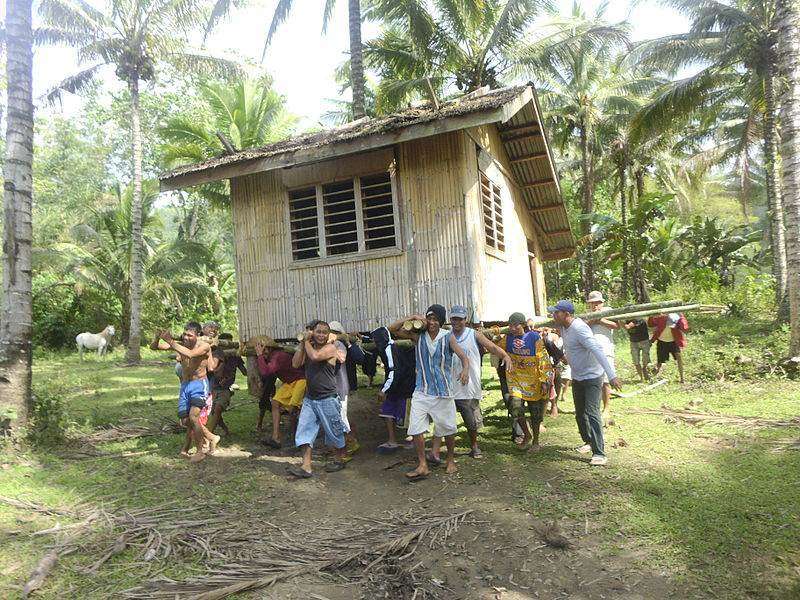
(440, 375)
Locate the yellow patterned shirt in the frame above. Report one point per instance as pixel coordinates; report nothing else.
(532, 366)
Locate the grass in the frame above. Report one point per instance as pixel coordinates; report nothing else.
(717, 509)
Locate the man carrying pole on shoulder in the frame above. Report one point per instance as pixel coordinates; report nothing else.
(589, 364)
(433, 395)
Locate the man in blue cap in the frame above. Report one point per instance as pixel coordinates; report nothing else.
(588, 363)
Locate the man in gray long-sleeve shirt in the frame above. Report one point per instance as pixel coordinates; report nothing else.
(588, 362)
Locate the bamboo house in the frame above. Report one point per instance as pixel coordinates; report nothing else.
(457, 203)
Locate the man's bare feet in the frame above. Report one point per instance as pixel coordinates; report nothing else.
(534, 448)
(185, 454)
(554, 412)
(418, 472)
(205, 447)
(212, 445)
(451, 467)
(198, 457)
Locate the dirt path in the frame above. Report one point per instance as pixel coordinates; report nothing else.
(499, 552)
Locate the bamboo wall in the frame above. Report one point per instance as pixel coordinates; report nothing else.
(442, 256)
(506, 281)
(278, 297)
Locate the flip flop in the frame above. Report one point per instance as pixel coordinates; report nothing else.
(434, 462)
(415, 478)
(476, 453)
(299, 472)
(334, 466)
(387, 449)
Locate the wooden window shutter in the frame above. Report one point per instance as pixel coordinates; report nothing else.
(303, 223)
(492, 213)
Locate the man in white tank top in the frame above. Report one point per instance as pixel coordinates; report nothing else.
(468, 397)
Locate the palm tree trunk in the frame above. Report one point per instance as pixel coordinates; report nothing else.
(587, 207)
(623, 206)
(640, 291)
(16, 315)
(133, 355)
(356, 59)
(790, 158)
(774, 202)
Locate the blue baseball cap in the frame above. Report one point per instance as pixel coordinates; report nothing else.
(458, 311)
(564, 305)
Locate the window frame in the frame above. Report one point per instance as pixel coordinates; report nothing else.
(490, 249)
(362, 253)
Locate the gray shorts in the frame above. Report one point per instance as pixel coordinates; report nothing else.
(640, 353)
(470, 409)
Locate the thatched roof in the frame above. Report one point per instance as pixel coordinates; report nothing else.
(514, 110)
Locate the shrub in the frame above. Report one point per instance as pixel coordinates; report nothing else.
(48, 420)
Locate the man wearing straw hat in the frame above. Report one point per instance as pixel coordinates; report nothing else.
(603, 330)
(588, 363)
(274, 361)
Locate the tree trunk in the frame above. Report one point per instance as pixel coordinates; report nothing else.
(587, 207)
(790, 158)
(774, 202)
(356, 59)
(640, 291)
(133, 355)
(623, 206)
(16, 315)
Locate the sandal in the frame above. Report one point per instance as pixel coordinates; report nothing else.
(334, 466)
(433, 461)
(415, 478)
(299, 472)
(387, 448)
(476, 453)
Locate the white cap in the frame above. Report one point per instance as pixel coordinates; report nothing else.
(595, 297)
(336, 327)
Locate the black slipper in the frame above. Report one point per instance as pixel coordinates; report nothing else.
(415, 478)
(334, 466)
(433, 461)
(299, 472)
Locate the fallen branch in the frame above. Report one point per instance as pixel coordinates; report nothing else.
(646, 388)
(712, 418)
(40, 573)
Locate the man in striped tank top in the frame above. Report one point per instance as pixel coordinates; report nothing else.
(433, 394)
(468, 397)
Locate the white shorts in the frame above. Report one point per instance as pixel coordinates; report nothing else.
(440, 410)
(566, 372)
(344, 415)
(610, 360)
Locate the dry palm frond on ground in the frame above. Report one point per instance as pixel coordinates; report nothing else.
(242, 558)
(712, 418)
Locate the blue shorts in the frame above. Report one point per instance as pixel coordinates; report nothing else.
(325, 413)
(193, 393)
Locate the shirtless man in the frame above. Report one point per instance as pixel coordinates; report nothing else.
(196, 361)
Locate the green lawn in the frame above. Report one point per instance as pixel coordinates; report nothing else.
(715, 509)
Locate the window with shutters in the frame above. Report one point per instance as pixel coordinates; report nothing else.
(353, 216)
(492, 214)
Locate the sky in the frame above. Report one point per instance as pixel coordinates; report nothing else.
(302, 61)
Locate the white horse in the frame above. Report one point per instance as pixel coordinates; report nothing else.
(95, 341)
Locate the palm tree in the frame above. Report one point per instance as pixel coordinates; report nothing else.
(16, 316)
(790, 155)
(245, 113)
(133, 36)
(99, 256)
(735, 45)
(431, 50)
(584, 91)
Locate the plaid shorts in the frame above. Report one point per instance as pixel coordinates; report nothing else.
(536, 409)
